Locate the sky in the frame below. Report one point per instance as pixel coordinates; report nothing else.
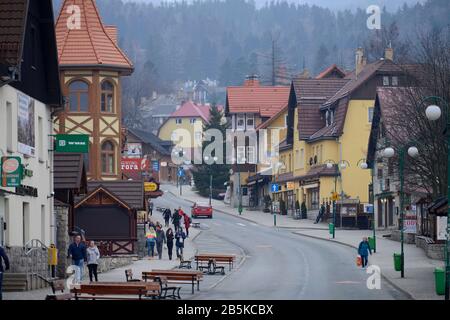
(391, 5)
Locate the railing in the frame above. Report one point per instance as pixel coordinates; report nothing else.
(35, 253)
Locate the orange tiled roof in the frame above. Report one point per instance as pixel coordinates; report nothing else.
(190, 109)
(263, 100)
(92, 44)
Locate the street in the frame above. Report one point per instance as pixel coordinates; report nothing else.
(277, 264)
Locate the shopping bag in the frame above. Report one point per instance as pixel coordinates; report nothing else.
(358, 261)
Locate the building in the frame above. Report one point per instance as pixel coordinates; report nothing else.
(91, 65)
(332, 72)
(29, 95)
(247, 107)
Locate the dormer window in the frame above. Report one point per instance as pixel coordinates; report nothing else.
(385, 80)
(240, 122)
(329, 117)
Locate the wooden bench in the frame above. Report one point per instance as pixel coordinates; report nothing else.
(176, 276)
(129, 276)
(219, 259)
(185, 264)
(212, 267)
(163, 282)
(117, 291)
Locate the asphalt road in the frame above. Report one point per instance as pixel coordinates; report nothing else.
(277, 264)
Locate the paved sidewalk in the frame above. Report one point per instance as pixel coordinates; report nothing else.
(118, 274)
(419, 278)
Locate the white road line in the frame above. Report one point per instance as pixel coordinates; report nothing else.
(241, 224)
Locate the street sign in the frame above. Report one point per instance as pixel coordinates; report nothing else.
(77, 143)
(151, 187)
(11, 171)
(335, 196)
(155, 165)
(274, 187)
(181, 172)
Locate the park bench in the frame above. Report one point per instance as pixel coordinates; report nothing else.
(185, 264)
(212, 267)
(58, 287)
(117, 291)
(176, 276)
(229, 259)
(164, 284)
(129, 276)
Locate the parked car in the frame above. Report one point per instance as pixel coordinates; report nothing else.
(221, 196)
(202, 210)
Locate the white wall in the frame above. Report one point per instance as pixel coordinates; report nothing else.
(42, 179)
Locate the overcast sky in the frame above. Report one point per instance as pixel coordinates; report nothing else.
(332, 4)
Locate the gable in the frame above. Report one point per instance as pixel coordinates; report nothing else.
(101, 196)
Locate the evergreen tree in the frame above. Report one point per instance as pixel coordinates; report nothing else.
(220, 172)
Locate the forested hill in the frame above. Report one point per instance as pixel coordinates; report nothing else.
(226, 40)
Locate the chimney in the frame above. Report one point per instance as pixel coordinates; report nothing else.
(389, 54)
(251, 81)
(361, 60)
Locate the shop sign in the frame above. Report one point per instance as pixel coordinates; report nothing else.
(290, 185)
(77, 143)
(11, 171)
(151, 187)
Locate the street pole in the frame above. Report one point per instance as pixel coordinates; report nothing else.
(334, 206)
(240, 194)
(210, 189)
(402, 204)
(373, 209)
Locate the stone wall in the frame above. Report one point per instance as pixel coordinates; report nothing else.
(432, 250)
(409, 238)
(140, 243)
(62, 239)
(106, 264)
(36, 261)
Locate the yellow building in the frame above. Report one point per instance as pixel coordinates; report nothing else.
(331, 120)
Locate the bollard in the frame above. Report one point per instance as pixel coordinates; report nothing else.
(275, 219)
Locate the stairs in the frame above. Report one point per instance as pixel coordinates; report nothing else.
(15, 282)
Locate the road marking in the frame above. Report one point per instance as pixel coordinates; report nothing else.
(241, 224)
(348, 282)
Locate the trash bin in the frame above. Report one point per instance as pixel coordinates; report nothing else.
(371, 242)
(398, 262)
(331, 228)
(439, 280)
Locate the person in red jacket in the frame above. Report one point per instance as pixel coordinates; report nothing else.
(187, 223)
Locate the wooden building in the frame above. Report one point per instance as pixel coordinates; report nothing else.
(91, 65)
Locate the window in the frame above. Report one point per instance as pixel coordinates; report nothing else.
(240, 122)
(390, 167)
(108, 158)
(329, 117)
(240, 154)
(250, 121)
(370, 114)
(251, 154)
(320, 153)
(297, 158)
(198, 137)
(385, 80)
(107, 103)
(245, 191)
(193, 120)
(314, 198)
(40, 139)
(9, 130)
(380, 173)
(174, 136)
(395, 81)
(302, 160)
(78, 96)
(178, 121)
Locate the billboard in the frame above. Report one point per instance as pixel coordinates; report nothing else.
(25, 125)
(133, 167)
(134, 150)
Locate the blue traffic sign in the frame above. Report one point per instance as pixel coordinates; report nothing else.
(155, 165)
(181, 172)
(274, 187)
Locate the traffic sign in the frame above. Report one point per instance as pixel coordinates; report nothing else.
(335, 196)
(181, 172)
(274, 187)
(155, 165)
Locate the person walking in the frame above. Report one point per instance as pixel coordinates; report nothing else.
(187, 224)
(160, 240)
(93, 255)
(77, 251)
(176, 220)
(321, 214)
(150, 207)
(150, 242)
(167, 215)
(180, 236)
(3, 260)
(169, 238)
(364, 250)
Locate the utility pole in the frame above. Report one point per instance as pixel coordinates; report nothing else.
(273, 64)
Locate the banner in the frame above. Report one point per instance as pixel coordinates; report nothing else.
(134, 164)
(25, 125)
(134, 150)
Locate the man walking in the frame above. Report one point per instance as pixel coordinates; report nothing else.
(160, 240)
(176, 220)
(77, 251)
(150, 207)
(321, 214)
(3, 258)
(364, 250)
(167, 215)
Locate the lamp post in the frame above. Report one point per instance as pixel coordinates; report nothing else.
(180, 154)
(362, 163)
(389, 153)
(210, 178)
(278, 166)
(433, 113)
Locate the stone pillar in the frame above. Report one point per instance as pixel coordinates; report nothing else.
(62, 239)
(140, 244)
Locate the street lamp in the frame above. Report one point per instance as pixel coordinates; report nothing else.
(362, 163)
(210, 178)
(180, 154)
(389, 153)
(433, 113)
(238, 189)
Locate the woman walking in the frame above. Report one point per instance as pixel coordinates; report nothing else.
(150, 243)
(180, 236)
(364, 250)
(170, 237)
(93, 255)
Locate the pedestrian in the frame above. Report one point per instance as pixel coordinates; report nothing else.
(93, 255)
(321, 214)
(151, 225)
(167, 215)
(176, 220)
(150, 207)
(3, 259)
(187, 224)
(169, 238)
(150, 242)
(180, 236)
(364, 250)
(77, 251)
(160, 240)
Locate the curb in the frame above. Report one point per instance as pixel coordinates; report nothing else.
(406, 293)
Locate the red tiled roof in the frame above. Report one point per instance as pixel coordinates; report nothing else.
(190, 109)
(263, 100)
(328, 73)
(92, 44)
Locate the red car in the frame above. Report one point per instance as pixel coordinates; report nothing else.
(202, 210)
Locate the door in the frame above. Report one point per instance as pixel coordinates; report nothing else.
(390, 212)
(380, 213)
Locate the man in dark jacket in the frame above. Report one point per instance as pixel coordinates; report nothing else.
(77, 251)
(160, 240)
(364, 250)
(176, 220)
(167, 215)
(3, 258)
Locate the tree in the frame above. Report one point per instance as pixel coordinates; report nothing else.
(219, 172)
(322, 59)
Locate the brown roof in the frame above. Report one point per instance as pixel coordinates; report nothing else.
(317, 172)
(69, 171)
(92, 44)
(332, 71)
(311, 94)
(13, 15)
(129, 191)
(285, 177)
(263, 100)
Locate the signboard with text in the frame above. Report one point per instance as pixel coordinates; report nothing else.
(25, 125)
(11, 171)
(151, 187)
(77, 143)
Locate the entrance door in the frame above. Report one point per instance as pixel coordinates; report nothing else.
(291, 203)
(390, 209)
(380, 213)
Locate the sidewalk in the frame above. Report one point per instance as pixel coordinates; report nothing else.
(419, 278)
(118, 275)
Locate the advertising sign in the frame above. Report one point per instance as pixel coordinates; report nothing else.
(78, 143)
(11, 171)
(410, 225)
(441, 228)
(134, 150)
(134, 164)
(151, 187)
(155, 165)
(290, 185)
(25, 125)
